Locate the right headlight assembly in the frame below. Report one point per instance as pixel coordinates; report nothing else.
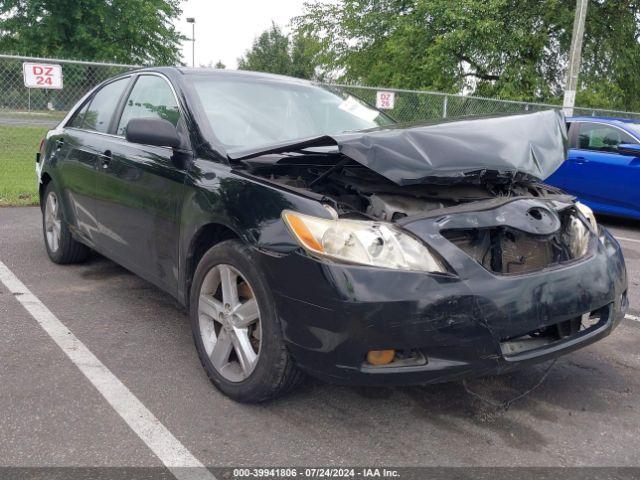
(588, 213)
(579, 237)
(579, 232)
(361, 242)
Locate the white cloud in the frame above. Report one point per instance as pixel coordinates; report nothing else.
(224, 29)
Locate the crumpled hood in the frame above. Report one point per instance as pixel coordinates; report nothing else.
(533, 144)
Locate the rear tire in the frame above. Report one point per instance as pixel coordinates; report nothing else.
(235, 326)
(61, 247)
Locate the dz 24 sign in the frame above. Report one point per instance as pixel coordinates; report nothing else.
(42, 75)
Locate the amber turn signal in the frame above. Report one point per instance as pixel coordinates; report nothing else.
(302, 232)
(380, 357)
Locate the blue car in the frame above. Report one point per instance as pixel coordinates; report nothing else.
(603, 166)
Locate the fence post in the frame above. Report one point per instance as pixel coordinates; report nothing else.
(444, 106)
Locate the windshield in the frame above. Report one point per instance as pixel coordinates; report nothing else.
(246, 114)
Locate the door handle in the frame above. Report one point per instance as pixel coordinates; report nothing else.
(59, 144)
(579, 160)
(106, 158)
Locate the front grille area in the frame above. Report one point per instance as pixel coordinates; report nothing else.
(554, 333)
(506, 250)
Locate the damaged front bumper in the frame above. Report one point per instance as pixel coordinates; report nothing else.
(444, 327)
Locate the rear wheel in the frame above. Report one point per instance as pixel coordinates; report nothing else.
(235, 326)
(61, 246)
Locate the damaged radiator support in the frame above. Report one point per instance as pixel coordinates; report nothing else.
(506, 250)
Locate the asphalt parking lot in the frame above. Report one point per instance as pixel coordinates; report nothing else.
(586, 412)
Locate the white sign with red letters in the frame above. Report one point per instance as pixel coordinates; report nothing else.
(385, 100)
(42, 75)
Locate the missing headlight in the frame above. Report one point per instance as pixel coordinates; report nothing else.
(507, 250)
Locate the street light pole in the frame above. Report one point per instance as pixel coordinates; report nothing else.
(192, 21)
(575, 56)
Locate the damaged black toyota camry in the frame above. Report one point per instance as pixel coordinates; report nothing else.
(305, 231)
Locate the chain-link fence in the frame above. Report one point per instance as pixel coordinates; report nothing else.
(27, 113)
(421, 106)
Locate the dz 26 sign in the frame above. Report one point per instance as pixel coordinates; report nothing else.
(42, 75)
(385, 100)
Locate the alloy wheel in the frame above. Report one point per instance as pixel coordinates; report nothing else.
(229, 320)
(52, 222)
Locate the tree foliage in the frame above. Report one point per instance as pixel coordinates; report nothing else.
(275, 52)
(127, 31)
(514, 49)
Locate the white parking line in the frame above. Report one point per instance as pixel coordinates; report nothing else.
(635, 318)
(175, 456)
(626, 239)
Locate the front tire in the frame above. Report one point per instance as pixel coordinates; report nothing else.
(61, 247)
(235, 326)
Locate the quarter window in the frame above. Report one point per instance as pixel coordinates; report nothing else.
(103, 105)
(151, 97)
(78, 117)
(603, 138)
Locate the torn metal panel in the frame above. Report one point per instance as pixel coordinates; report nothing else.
(531, 145)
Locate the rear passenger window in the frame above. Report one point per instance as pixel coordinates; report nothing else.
(103, 105)
(151, 97)
(603, 138)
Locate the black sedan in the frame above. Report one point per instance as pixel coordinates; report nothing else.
(305, 231)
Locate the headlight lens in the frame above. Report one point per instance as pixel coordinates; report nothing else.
(588, 213)
(362, 242)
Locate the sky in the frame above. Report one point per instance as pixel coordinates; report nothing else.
(225, 29)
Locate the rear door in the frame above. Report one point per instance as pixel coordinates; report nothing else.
(140, 188)
(599, 175)
(77, 156)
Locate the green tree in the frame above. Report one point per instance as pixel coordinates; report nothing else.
(275, 52)
(128, 31)
(514, 49)
(304, 51)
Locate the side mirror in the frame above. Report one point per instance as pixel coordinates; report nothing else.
(630, 149)
(152, 131)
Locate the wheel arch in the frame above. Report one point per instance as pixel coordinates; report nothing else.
(205, 238)
(44, 181)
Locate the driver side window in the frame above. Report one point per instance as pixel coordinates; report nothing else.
(602, 138)
(151, 97)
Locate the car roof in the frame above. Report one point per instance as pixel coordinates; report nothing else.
(608, 120)
(223, 73)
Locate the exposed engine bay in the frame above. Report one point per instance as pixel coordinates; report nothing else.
(356, 191)
(401, 175)
(388, 174)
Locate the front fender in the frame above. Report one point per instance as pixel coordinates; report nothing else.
(215, 194)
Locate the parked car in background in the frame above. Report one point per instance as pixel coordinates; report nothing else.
(304, 232)
(603, 166)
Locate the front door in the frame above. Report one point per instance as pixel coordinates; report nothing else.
(604, 179)
(140, 189)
